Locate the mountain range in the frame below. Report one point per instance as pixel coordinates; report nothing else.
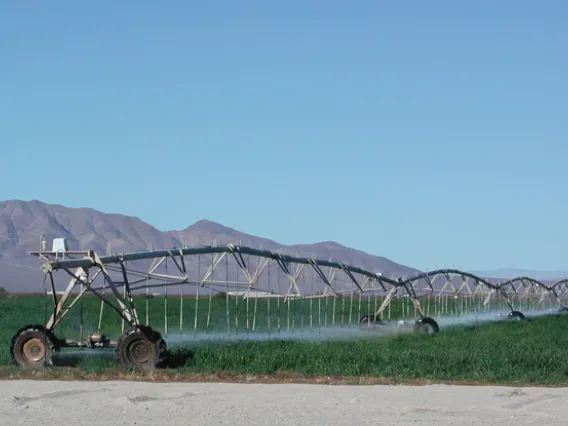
(23, 222)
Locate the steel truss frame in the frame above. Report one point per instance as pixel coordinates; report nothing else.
(84, 267)
(79, 270)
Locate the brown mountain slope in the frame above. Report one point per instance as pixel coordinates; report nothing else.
(23, 222)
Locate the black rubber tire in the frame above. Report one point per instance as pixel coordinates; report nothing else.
(142, 338)
(162, 352)
(516, 316)
(365, 319)
(426, 325)
(563, 310)
(38, 336)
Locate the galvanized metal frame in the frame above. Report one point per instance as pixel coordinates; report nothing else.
(84, 267)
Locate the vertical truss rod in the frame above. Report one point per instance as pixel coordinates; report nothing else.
(325, 279)
(386, 302)
(291, 277)
(350, 275)
(251, 280)
(72, 282)
(217, 257)
(126, 314)
(86, 285)
(412, 296)
(133, 312)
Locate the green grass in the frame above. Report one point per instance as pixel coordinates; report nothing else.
(522, 352)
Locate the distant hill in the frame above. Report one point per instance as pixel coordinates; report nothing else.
(23, 222)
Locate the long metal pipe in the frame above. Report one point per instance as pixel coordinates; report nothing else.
(88, 262)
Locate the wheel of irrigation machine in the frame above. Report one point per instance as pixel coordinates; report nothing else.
(365, 319)
(33, 347)
(563, 310)
(516, 316)
(426, 325)
(141, 347)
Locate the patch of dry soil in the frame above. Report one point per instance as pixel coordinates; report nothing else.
(83, 402)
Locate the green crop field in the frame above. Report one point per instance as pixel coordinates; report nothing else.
(534, 351)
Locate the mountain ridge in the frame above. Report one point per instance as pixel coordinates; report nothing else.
(23, 222)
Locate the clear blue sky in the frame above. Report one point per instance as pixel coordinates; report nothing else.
(430, 132)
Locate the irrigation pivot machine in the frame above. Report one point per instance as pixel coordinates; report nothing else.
(233, 289)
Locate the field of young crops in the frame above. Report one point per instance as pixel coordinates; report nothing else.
(307, 337)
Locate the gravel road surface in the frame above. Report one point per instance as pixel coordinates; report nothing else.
(25, 402)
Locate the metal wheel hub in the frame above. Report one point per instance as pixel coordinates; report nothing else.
(34, 349)
(140, 351)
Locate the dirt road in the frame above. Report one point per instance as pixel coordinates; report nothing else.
(138, 403)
